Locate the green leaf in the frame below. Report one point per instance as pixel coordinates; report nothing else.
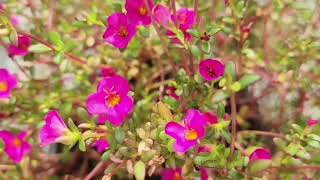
(106, 155)
(194, 33)
(117, 6)
(119, 135)
(220, 96)
(314, 137)
(221, 110)
(55, 38)
(314, 144)
(259, 165)
(13, 37)
(82, 145)
(292, 149)
(206, 47)
(58, 58)
(195, 51)
(235, 87)
(72, 126)
(248, 79)
(139, 170)
(302, 153)
(231, 70)
(213, 30)
(297, 128)
(39, 48)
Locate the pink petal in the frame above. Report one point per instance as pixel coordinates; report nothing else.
(96, 103)
(175, 130)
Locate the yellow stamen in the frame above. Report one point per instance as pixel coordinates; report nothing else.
(123, 31)
(177, 176)
(113, 100)
(191, 135)
(3, 86)
(143, 11)
(17, 142)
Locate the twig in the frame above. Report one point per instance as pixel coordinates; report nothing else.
(263, 133)
(53, 5)
(234, 123)
(174, 12)
(96, 170)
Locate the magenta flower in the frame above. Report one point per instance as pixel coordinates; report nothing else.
(111, 99)
(312, 122)
(119, 31)
(102, 145)
(21, 49)
(188, 135)
(162, 16)
(185, 18)
(172, 174)
(137, 12)
(55, 130)
(211, 69)
(15, 146)
(260, 154)
(7, 83)
(211, 118)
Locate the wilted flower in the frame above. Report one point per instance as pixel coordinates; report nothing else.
(7, 83)
(21, 49)
(111, 99)
(137, 12)
(172, 174)
(102, 145)
(187, 136)
(171, 92)
(313, 122)
(55, 131)
(211, 69)
(15, 146)
(162, 16)
(119, 31)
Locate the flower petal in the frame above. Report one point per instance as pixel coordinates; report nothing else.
(175, 130)
(96, 103)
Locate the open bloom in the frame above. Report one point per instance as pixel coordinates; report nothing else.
(186, 18)
(101, 145)
(260, 154)
(21, 49)
(137, 12)
(211, 69)
(55, 130)
(119, 31)
(312, 122)
(187, 136)
(7, 83)
(111, 99)
(15, 146)
(162, 15)
(172, 174)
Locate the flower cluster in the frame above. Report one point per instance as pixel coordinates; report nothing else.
(122, 27)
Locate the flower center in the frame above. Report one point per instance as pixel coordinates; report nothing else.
(112, 100)
(211, 72)
(17, 142)
(3, 86)
(191, 135)
(177, 176)
(123, 32)
(143, 11)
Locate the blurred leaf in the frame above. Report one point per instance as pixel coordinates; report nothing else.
(195, 51)
(106, 155)
(139, 170)
(259, 165)
(231, 70)
(206, 47)
(72, 126)
(82, 145)
(221, 110)
(39, 48)
(119, 135)
(248, 79)
(164, 112)
(220, 96)
(194, 33)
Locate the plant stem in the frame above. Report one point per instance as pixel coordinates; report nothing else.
(263, 133)
(96, 170)
(234, 123)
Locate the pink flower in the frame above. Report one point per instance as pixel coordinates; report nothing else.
(211, 69)
(312, 122)
(188, 135)
(15, 20)
(21, 49)
(111, 99)
(171, 92)
(162, 16)
(211, 118)
(260, 154)
(185, 18)
(15, 146)
(137, 12)
(102, 145)
(55, 130)
(2, 6)
(7, 83)
(119, 31)
(172, 174)
(107, 72)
